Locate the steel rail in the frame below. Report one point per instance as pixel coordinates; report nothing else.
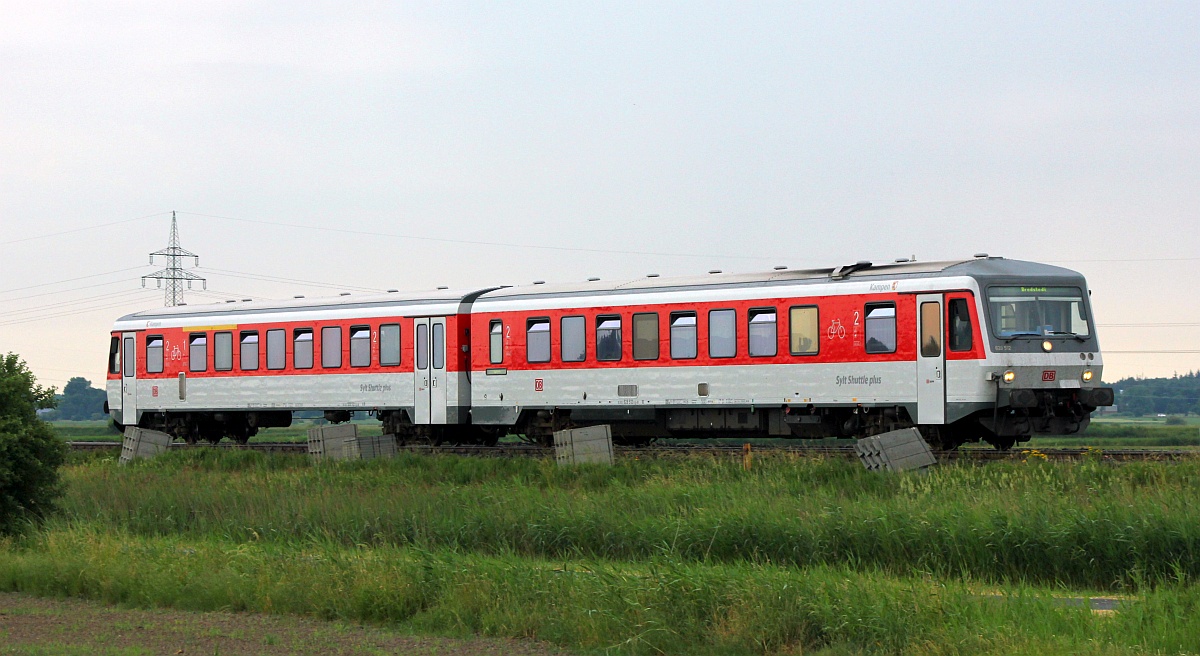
(716, 450)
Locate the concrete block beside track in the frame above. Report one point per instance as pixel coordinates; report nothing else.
(899, 450)
(342, 442)
(578, 445)
(142, 443)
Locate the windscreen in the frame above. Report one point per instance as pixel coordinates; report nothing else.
(1039, 311)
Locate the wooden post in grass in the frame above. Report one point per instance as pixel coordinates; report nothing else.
(747, 457)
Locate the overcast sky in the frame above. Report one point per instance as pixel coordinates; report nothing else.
(409, 145)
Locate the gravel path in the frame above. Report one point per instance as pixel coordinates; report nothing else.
(31, 625)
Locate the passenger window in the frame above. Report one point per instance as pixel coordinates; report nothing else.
(722, 333)
(496, 342)
(537, 340)
(764, 337)
(331, 347)
(249, 351)
(645, 336)
(683, 335)
(198, 352)
(276, 349)
(114, 355)
(223, 351)
(608, 338)
(880, 327)
(154, 354)
(961, 331)
(931, 329)
(302, 348)
(574, 339)
(127, 353)
(360, 346)
(389, 344)
(802, 330)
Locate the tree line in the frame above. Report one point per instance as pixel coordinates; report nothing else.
(1177, 395)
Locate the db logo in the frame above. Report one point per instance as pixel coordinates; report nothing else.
(1048, 376)
(154, 391)
(538, 385)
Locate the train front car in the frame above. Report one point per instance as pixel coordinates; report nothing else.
(1043, 366)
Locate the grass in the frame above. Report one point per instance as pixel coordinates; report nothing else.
(660, 605)
(1080, 524)
(684, 555)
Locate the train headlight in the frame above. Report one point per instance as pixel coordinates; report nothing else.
(1010, 376)
(1087, 376)
(1047, 346)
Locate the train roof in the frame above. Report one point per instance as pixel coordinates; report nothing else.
(417, 299)
(983, 268)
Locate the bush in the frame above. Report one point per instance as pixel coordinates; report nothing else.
(30, 454)
(1176, 420)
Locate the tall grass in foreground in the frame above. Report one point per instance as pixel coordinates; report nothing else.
(661, 605)
(1077, 524)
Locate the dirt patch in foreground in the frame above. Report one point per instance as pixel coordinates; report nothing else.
(31, 625)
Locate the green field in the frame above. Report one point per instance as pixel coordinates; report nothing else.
(686, 555)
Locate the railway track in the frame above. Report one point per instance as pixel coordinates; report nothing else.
(716, 450)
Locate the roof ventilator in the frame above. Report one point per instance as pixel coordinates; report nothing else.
(843, 271)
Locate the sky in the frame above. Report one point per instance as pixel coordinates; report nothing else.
(314, 148)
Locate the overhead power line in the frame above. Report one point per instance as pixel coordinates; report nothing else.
(473, 242)
(84, 229)
(291, 281)
(60, 282)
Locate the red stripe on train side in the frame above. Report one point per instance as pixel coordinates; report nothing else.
(846, 311)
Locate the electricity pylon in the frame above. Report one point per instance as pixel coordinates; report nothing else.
(174, 273)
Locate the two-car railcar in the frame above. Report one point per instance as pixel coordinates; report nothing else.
(982, 348)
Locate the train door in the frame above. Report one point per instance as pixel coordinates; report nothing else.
(129, 379)
(430, 379)
(931, 360)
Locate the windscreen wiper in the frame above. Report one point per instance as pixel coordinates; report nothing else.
(1009, 338)
(1063, 332)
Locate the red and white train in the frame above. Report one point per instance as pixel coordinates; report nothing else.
(985, 348)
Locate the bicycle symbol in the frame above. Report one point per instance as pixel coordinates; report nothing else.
(176, 354)
(836, 329)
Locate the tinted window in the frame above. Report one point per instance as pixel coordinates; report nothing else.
(276, 356)
(198, 352)
(302, 348)
(961, 330)
(608, 338)
(223, 351)
(763, 334)
(360, 346)
(439, 346)
(931, 329)
(722, 333)
(496, 342)
(129, 351)
(331, 347)
(154, 354)
(683, 335)
(803, 335)
(537, 340)
(422, 346)
(276, 349)
(880, 327)
(249, 351)
(645, 336)
(574, 339)
(389, 344)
